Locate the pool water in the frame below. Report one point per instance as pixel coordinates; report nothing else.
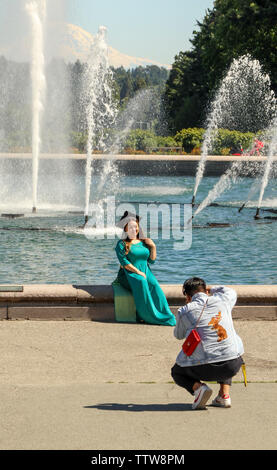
(60, 252)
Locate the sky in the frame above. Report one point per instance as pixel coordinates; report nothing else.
(148, 29)
(154, 29)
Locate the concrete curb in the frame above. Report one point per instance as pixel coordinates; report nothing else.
(96, 303)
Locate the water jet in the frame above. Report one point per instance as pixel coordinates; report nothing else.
(242, 207)
(85, 223)
(97, 94)
(37, 11)
(257, 215)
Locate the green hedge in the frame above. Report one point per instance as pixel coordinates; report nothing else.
(190, 138)
(139, 139)
(223, 143)
(78, 140)
(225, 139)
(142, 140)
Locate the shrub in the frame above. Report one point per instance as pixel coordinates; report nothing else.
(139, 139)
(196, 151)
(130, 151)
(224, 141)
(166, 142)
(233, 140)
(190, 138)
(78, 140)
(225, 151)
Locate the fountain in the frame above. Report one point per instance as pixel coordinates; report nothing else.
(268, 167)
(139, 108)
(244, 101)
(253, 190)
(136, 110)
(55, 248)
(225, 182)
(37, 11)
(99, 106)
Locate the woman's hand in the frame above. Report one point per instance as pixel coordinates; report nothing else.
(133, 269)
(152, 247)
(142, 274)
(149, 242)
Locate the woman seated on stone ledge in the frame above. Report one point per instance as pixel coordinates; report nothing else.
(135, 253)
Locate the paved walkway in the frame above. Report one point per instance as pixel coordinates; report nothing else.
(85, 385)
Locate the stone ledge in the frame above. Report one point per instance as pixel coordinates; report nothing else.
(247, 294)
(100, 312)
(96, 303)
(60, 293)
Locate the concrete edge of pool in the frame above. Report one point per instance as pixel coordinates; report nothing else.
(96, 302)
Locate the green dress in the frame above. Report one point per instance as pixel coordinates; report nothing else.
(150, 300)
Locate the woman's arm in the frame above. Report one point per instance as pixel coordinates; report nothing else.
(152, 247)
(124, 262)
(133, 269)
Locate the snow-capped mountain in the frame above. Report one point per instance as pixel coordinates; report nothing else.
(70, 42)
(77, 42)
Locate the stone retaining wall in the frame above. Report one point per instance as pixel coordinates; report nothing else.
(96, 303)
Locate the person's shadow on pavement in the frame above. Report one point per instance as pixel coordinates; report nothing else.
(139, 408)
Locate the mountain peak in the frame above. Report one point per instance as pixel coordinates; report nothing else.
(77, 45)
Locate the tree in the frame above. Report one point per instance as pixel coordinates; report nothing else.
(185, 92)
(231, 29)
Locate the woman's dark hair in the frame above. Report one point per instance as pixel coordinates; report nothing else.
(193, 285)
(129, 215)
(125, 219)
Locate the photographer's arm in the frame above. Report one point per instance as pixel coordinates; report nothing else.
(227, 294)
(181, 327)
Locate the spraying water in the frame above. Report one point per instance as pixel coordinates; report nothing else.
(212, 125)
(139, 109)
(225, 182)
(244, 102)
(252, 191)
(99, 106)
(268, 167)
(37, 11)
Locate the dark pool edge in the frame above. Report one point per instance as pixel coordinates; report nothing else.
(157, 165)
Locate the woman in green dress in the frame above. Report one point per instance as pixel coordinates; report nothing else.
(135, 254)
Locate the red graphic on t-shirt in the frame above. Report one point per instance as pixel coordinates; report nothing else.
(221, 332)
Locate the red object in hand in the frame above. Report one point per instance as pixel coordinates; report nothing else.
(191, 343)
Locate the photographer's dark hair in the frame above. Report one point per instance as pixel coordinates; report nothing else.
(193, 285)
